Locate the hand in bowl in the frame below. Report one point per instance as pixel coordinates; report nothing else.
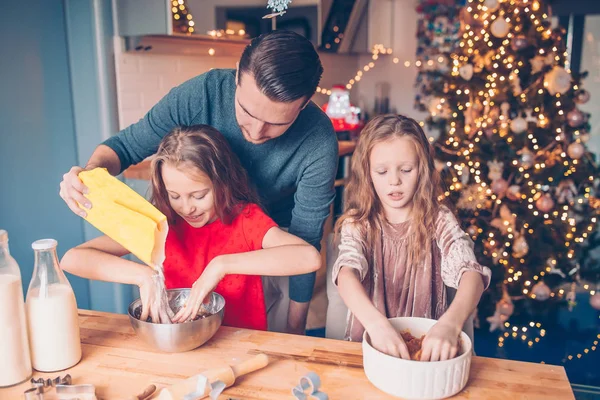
(387, 340)
(441, 342)
(204, 285)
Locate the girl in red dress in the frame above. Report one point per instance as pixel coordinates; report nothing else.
(219, 238)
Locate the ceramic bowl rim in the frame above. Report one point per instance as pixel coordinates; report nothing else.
(463, 335)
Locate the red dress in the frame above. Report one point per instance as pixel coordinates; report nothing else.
(189, 250)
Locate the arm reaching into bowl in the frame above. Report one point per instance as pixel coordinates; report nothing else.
(277, 245)
(441, 342)
(100, 259)
(460, 270)
(383, 335)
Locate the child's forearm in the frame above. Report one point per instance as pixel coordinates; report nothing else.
(354, 295)
(466, 299)
(293, 259)
(101, 266)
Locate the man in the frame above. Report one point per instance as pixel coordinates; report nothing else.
(285, 142)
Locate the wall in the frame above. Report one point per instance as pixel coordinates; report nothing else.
(37, 142)
(590, 61)
(144, 78)
(204, 13)
(400, 78)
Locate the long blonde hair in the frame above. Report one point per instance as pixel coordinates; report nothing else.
(204, 148)
(363, 207)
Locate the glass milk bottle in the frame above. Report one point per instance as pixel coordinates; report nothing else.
(15, 361)
(51, 313)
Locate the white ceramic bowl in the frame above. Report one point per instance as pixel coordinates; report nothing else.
(417, 379)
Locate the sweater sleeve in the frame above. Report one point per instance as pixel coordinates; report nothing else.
(179, 107)
(457, 251)
(351, 253)
(314, 195)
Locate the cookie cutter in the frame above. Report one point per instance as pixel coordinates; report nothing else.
(81, 392)
(311, 383)
(202, 385)
(36, 392)
(64, 389)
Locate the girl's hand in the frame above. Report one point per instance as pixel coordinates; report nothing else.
(210, 278)
(441, 342)
(387, 340)
(152, 304)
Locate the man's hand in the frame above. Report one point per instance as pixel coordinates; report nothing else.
(72, 191)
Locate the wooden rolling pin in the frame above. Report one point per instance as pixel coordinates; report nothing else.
(227, 375)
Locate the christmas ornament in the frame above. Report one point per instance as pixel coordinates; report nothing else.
(497, 321)
(554, 156)
(506, 307)
(582, 96)
(541, 290)
(489, 132)
(545, 203)
(595, 301)
(471, 198)
(529, 117)
(518, 125)
(575, 118)
(499, 187)
(575, 150)
(565, 191)
(495, 170)
(500, 28)
(584, 137)
(513, 192)
(537, 64)
(519, 43)
(472, 230)
(505, 221)
(527, 157)
(550, 263)
(438, 108)
(558, 80)
(594, 202)
(571, 297)
(466, 72)
(492, 5)
(520, 247)
(278, 6)
(515, 82)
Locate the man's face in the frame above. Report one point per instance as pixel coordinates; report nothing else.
(260, 118)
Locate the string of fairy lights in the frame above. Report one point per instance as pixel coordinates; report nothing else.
(378, 52)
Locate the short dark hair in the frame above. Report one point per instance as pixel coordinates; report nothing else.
(284, 64)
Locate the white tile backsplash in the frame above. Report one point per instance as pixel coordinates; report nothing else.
(143, 79)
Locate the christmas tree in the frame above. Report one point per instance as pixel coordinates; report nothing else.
(512, 152)
(438, 28)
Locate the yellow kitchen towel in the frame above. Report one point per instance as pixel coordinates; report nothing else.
(125, 216)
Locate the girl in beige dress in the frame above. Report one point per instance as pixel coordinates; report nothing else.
(399, 247)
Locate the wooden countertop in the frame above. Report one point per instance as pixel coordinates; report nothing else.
(120, 365)
(141, 171)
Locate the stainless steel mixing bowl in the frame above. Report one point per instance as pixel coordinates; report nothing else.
(175, 338)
